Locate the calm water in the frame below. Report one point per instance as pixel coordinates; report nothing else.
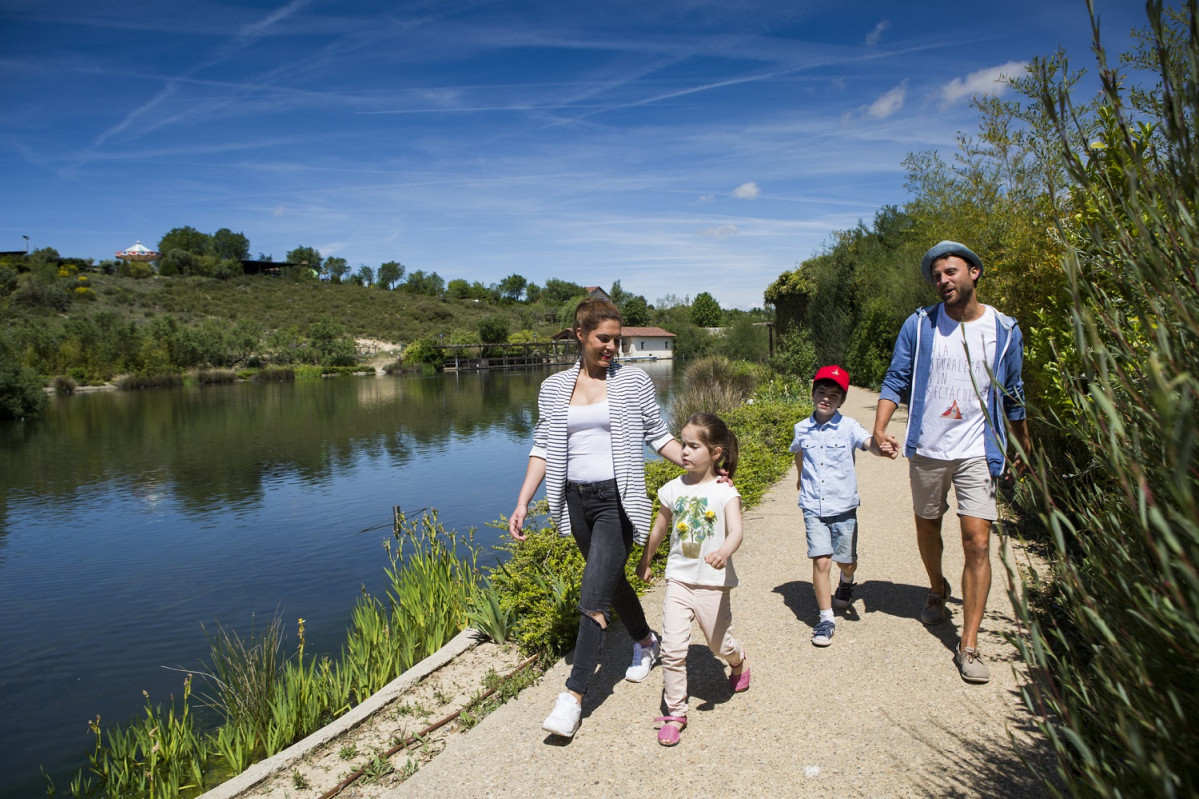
(127, 520)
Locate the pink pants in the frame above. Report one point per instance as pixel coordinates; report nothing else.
(684, 604)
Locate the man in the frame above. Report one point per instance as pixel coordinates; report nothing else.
(957, 366)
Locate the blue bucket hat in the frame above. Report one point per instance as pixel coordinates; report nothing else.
(948, 248)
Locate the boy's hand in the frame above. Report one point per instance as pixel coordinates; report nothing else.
(645, 572)
(716, 559)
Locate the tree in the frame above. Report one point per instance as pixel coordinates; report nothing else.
(532, 292)
(227, 245)
(390, 273)
(618, 294)
(560, 290)
(418, 282)
(511, 287)
(705, 311)
(337, 268)
(493, 330)
(185, 238)
(306, 256)
(635, 311)
(365, 276)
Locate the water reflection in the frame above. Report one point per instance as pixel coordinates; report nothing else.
(128, 519)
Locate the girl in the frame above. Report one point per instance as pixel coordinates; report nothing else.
(704, 517)
(593, 423)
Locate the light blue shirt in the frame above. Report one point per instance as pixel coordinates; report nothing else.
(829, 484)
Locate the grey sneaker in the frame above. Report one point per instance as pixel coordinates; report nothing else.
(644, 658)
(971, 666)
(823, 634)
(934, 611)
(564, 718)
(843, 596)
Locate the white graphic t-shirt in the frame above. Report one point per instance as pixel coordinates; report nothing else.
(954, 422)
(697, 516)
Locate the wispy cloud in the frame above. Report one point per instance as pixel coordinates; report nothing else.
(747, 191)
(888, 103)
(873, 37)
(985, 81)
(719, 231)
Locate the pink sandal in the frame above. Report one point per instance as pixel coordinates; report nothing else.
(667, 734)
(740, 682)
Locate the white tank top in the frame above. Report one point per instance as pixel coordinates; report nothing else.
(589, 443)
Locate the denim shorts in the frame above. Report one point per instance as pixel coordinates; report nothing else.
(833, 535)
(973, 486)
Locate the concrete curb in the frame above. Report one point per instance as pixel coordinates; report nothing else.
(257, 773)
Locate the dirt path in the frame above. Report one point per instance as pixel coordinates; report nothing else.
(882, 712)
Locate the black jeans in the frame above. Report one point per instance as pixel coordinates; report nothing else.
(604, 535)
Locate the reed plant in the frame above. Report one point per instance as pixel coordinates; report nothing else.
(214, 376)
(136, 382)
(274, 374)
(267, 699)
(1113, 634)
(64, 386)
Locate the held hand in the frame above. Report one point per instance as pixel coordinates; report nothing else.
(716, 559)
(516, 522)
(893, 447)
(722, 476)
(645, 572)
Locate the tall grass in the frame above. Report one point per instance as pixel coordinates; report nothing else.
(714, 385)
(268, 699)
(1114, 645)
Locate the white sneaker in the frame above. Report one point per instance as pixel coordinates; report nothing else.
(565, 717)
(644, 659)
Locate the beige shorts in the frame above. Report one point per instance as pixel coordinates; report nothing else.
(972, 484)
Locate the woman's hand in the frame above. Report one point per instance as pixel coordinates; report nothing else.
(516, 522)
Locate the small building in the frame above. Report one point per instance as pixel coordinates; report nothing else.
(597, 293)
(646, 343)
(636, 343)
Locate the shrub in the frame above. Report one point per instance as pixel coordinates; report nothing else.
(21, 393)
(423, 351)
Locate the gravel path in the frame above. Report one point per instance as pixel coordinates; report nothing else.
(881, 712)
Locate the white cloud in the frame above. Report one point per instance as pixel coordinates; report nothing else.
(719, 231)
(706, 198)
(876, 34)
(889, 103)
(985, 81)
(747, 191)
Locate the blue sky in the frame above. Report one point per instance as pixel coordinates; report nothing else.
(677, 146)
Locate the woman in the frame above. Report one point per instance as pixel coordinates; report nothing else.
(593, 420)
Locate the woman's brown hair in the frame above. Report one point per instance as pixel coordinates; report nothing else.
(592, 311)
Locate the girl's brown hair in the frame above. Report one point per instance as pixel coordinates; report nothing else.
(713, 433)
(593, 311)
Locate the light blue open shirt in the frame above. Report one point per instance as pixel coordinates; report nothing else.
(829, 484)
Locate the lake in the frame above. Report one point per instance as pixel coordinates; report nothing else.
(130, 519)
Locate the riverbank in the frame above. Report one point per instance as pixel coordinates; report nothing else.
(881, 712)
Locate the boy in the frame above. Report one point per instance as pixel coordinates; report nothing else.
(825, 445)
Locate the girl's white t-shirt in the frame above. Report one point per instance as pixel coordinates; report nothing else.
(954, 416)
(697, 528)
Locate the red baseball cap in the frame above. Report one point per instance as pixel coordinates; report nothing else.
(834, 373)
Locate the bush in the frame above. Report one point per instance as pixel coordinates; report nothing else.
(21, 393)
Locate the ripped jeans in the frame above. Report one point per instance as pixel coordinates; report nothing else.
(604, 536)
